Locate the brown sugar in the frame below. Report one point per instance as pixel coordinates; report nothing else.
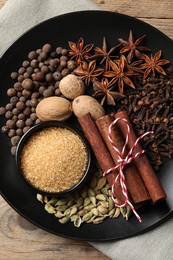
(54, 159)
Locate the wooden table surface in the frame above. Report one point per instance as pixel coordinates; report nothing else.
(19, 239)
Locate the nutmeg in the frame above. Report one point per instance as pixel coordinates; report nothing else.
(54, 108)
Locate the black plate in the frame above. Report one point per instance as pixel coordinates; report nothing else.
(92, 25)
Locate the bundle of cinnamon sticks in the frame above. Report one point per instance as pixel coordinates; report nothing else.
(142, 183)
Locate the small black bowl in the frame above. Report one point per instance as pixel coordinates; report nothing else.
(40, 127)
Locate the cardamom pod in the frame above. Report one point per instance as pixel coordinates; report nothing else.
(117, 213)
(79, 202)
(53, 201)
(59, 214)
(102, 210)
(62, 207)
(49, 208)
(40, 197)
(93, 200)
(74, 209)
(64, 220)
(77, 222)
(87, 201)
(100, 197)
(87, 216)
(95, 211)
(99, 220)
(93, 182)
(91, 193)
(101, 183)
(61, 202)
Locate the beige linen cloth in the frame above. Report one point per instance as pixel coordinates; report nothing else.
(16, 17)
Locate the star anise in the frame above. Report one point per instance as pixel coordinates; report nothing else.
(104, 54)
(88, 72)
(119, 74)
(153, 64)
(134, 66)
(104, 90)
(132, 47)
(78, 51)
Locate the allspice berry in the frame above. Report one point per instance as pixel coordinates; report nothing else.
(27, 84)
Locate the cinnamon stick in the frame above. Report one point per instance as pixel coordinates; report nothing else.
(134, 182)
(101, 152)
(147, 173)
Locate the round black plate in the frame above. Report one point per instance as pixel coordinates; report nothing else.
(92, 26)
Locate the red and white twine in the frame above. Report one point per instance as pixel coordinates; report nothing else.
(122, 163)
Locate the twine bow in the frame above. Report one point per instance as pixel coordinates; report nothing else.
(122, 163)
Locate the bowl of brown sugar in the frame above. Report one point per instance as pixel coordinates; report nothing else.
(54, 158)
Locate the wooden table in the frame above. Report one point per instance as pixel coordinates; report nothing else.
(23, 241)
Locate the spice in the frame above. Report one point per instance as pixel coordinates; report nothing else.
(133, 48)
(134, 182)
(101, 152)
(54, 159)
(149, 177)
(85, 205)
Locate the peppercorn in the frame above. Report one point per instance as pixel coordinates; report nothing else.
(27, 84)
(39, 76)
(54, 63)
(65, 72)
(20, 78)
(29, 70)
(20, 105)
(19, 132)
(33, 109)
(14, 100)
(64, 52)
(47, 93)
(13, 150)
(21, 71)
(34, 63)
(35, 95)
(8, 114)
(2, 111)
(28, 104)
(5, 129)
(15, 139)
(25, 63)
(10, 123)
(32, 55)
(14, 75)
(11, 92)
(9, 106)
(44, 69)
(23, 99)
(49, 77)
(63, 57)
(38, 51)
(63, 63)
(47, 48)
(27, 111)
(33, 116)
(19, 94)
(71, 65)
(26, 93)
(57, 92)
(20, 123)
(43, 56)
(11, 133)
(25, 129)
(15, 111)
(59, 50)
(53, 54)
(21, 116)
(29, 122)
(37, 121)
(18, 86)
(33, 102)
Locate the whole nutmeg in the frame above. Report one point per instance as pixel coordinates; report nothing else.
(71, 86)
(54, 108)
